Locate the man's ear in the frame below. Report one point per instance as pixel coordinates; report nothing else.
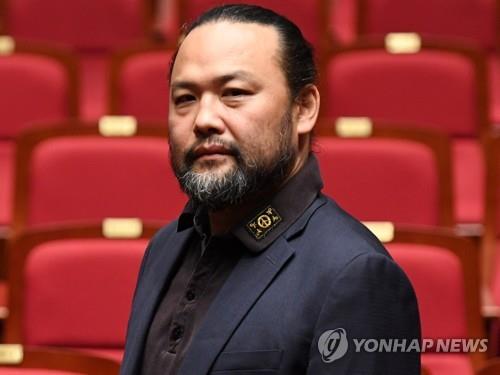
(307, 108)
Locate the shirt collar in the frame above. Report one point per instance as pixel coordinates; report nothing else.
(275, 215)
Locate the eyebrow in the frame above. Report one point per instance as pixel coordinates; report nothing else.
(238, 74)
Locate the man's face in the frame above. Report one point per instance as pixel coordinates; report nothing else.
(230, 120)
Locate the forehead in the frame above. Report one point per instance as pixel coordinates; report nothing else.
(217, 48)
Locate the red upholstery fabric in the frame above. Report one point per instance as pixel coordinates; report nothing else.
(431, 89)
(304, 13)
(7, 181)
(94, 77)
(447, 364)
(473, 20)
(143, 86)
(468, 169)
(440, 295)
(78, 292)
(494, 66)
(78, 23)
(377, 179)
(89, 178)
(34, 88)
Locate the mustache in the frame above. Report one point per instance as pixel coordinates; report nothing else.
(231, 147)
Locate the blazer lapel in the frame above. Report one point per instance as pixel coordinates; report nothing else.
(244, 286)
(159, 272)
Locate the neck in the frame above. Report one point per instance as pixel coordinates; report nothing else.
(221, 221)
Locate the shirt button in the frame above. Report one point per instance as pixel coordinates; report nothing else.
(190, 295)
(177, 333)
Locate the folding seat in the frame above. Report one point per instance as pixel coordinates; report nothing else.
(72, 288)
(37, 84)
(19, 360)
(83, 25)
(469, 21)
(411, 81)
(472, 22)
(399, 175)
(139, 83)
(444, 271)
(91, 28)
(82, 173)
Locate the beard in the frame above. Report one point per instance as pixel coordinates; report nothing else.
(250, 174)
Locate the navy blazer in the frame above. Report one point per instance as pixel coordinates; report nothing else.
(326, 272)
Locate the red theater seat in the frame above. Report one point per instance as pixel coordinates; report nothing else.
(437, 88)
(41, 361)
(62, 293)
(37, 84)
(397, 175)
(472, 21)
(91, 28)
(139, 83)
(67, 176)
(81, 24)
(448, 300)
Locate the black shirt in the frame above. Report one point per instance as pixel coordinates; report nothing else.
(208, 261)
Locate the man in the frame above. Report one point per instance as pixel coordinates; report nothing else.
(261, 273)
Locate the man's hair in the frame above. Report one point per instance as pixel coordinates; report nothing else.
(296, 53)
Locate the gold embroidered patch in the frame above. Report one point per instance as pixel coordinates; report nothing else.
(264, 222)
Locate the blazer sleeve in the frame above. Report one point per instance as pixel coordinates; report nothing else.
(370, 299)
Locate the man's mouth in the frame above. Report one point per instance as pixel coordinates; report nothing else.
(211, 151)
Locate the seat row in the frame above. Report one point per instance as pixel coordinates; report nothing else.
(86, 274)
(94, 28)
(72, 175)
(433, 87)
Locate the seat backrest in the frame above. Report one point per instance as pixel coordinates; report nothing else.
(306, 14)
(81, 24)
(448, 300)
(392, 175)
(469, 20)
(72, 288)
(69, 176)
(37, 85)
(139, 83)
(436, 87)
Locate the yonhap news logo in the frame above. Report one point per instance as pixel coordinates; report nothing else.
(333, 344)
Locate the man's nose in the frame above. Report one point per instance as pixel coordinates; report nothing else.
(208, 119)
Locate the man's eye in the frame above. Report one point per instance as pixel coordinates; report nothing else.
(234, 92)
(183, 99)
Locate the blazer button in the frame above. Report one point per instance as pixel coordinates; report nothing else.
(177, 333)
(190, 295)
